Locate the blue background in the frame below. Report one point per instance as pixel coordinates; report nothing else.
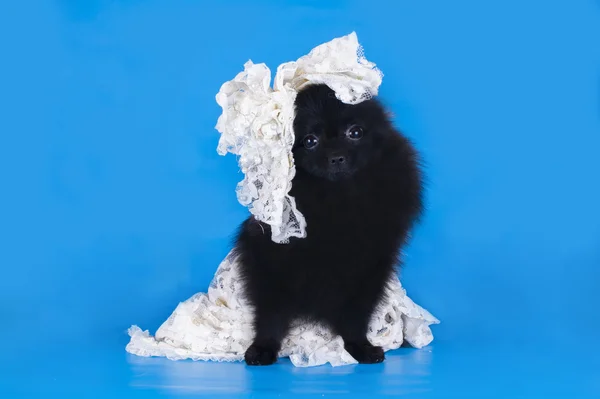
(114, 205)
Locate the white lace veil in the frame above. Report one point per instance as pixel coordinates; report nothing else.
(257, 124)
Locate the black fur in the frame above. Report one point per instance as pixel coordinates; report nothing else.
(360, 197)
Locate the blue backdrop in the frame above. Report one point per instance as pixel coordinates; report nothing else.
(115, 205)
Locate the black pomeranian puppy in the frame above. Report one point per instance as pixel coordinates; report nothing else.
(358, 184)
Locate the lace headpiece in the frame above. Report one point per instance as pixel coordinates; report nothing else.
(257, 124)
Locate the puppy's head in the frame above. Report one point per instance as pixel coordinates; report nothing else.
(335, 140)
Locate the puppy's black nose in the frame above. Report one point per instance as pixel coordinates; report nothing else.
(337, 159)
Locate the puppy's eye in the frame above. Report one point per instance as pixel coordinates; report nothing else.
(355, 133)
(310, 141)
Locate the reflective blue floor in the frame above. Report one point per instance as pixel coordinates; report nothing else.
(443, 371)
(114, 205)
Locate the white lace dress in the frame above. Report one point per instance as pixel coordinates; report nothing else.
(257, 126)
(217, 326)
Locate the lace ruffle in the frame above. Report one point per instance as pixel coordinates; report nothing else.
(257, 124)
(217, 326)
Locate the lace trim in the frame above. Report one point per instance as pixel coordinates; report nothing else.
(217, 326)
(257, 124)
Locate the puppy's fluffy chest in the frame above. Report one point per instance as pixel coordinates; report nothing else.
(358, 212)
(348, 231)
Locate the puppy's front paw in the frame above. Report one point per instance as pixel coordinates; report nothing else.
(365, 352)
(257, 355)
